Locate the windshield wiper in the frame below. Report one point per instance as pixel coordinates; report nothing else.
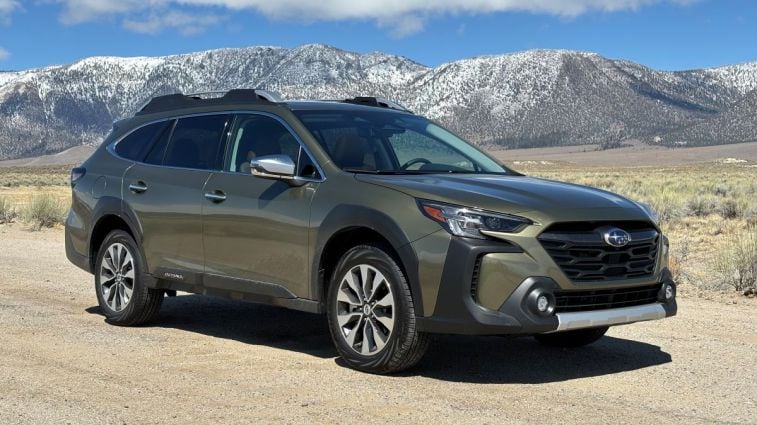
(419, 172)
(390, 172)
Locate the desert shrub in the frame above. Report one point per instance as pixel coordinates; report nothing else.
(667, 211)
(735, 265)
(701, 206)
(7, 211)
(721, 190)
(679, 255)
(44, 210)
(730, 209)
(750, 215)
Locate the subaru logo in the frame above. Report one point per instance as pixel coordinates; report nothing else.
(617, 237)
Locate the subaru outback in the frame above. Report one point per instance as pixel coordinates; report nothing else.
(389, 224)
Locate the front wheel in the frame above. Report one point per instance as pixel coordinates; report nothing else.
(121, 293)
(371, 314)
(571, 339)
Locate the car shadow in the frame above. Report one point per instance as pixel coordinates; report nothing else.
(498, 360)
(454, 358)
(249, 323)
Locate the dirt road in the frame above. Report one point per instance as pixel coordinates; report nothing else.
(209, 360)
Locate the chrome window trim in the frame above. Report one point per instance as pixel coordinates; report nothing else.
(111, 148)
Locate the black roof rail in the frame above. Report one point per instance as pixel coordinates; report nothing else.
(179, 100)
(376, 101)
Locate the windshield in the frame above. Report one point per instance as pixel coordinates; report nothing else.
(388, 142)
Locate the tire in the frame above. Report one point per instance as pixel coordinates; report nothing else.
(572, 339)
(119, 252)
(384, 338)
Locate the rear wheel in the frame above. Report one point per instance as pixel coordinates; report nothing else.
(121, 293)
(371, 314)
(571, 339)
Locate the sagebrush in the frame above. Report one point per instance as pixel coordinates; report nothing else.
(7, 211)
(44, 210)
(735, 265)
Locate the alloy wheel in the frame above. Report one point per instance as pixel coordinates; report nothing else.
(365, 309)
(117, 276)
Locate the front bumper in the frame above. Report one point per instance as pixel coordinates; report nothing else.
(609, 317)
(457, 312)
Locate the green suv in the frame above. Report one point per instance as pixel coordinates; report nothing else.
(389, 224)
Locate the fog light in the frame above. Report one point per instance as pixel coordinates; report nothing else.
(669, 292)
(542, 303)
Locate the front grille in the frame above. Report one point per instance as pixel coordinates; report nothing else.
(567, 301)
(584, 256)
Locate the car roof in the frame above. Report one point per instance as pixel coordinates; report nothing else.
(334, 105)
(253, 97)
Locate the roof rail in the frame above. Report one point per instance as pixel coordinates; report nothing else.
(376, 101)
(179, 100)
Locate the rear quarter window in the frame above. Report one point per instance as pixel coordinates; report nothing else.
(136, 144)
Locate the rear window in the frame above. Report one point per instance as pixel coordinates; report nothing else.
(158, 149)
(197, 142)
(135, 145)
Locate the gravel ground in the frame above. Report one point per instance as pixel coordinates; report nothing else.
(209, 360)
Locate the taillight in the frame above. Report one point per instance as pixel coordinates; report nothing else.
(76, 174)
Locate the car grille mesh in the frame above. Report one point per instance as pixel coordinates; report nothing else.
(571, 301)
(584, 256)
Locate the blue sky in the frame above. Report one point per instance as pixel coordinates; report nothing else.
(663, 34)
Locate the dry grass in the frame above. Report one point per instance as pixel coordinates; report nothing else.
(38, 196)
(736, 264)
(34, 176)
(708, 211)
(7, 211)
(44, 210)
(705, 210)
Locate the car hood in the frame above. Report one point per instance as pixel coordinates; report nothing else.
(510, 194)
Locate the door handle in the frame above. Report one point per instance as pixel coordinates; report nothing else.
(217, 196)
(138, 187)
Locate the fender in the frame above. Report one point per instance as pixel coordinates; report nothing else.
(110, 205)
(344, 217)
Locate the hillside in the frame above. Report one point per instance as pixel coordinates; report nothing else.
(529, 99)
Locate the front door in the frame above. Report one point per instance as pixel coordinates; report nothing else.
(255, 229)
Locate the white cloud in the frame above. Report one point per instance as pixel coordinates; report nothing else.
(401, 17)
(6, 8)
(403, 26)
(4, 54)
(185, 23)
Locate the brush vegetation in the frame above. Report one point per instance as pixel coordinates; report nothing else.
(44, 210)
(708, 211)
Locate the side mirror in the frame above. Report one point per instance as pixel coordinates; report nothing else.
(277, 167)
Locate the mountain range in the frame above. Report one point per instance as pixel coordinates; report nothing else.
(534, 98)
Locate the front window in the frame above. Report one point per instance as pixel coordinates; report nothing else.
(389, 142)
(260, 135)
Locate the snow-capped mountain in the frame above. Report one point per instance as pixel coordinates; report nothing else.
(532, 98)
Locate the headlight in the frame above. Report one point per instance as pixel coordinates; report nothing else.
(650, 212)
(469, 222)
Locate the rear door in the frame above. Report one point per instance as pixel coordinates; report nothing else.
(256, 231)
(165, 193)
